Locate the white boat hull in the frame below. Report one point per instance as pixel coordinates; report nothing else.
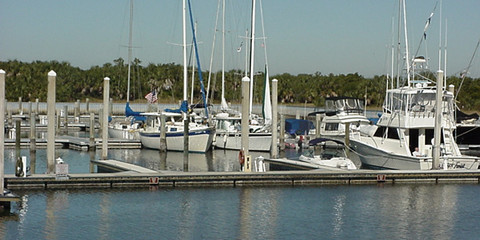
(375, 158)
(123, 133)
(199, 140)
(233, 141)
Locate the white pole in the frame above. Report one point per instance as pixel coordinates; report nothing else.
(51, 122)
(130, 50)
(212, 53)
(252, 56)
(106, 99)
(407, 57)
(223, 53)
(2, 127)
(184, 45)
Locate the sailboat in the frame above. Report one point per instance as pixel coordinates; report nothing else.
(131, 125)
(412, 134)
(200, 136)
(228, 122)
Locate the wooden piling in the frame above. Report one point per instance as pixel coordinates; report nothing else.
(163, 135)
(185, 141)
(33, 132)
(51, 120)
(65, 118)
(274, 150)
(17, 138)
(437, 131)
(245, 115)
(2, 132)
(282, 133)
(92, 144)
(87, 105)
(20, 106)
(76, 111)
(106, 107)
(37, 110)
(33, 142)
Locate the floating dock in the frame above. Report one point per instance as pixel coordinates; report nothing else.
(138, 177)
(78, 143)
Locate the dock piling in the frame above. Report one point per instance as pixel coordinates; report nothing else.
(163, 140)
(2, 133)
(282, 132)
(51, 119)
(185, 141)
(274, 150)
(92, 144)
(245, 115)
(65, 118)
(438, 121)
(76, 112)
(20, 106)
(106, 107)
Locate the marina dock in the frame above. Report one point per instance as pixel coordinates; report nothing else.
(138, 177)
(78, 143)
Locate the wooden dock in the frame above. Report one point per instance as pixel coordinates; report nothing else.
(132, 178)
(78, 143)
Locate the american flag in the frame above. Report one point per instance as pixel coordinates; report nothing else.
(151, 96)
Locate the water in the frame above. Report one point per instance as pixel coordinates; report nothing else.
(443, 211)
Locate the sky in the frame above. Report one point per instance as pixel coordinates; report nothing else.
(305, 36)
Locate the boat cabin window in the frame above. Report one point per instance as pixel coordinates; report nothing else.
(331, 126)
(422, 102)
(391, 132)
(345, 104)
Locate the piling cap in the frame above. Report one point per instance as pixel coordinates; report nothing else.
(106, 79)
(245, 79)
(52, 74)
(274, 80)
(2, 71)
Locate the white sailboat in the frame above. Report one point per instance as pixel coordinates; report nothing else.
(228, 134)
(415, 131)
(200, 136)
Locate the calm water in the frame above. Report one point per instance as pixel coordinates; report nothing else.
(400, 211)
(328, 212)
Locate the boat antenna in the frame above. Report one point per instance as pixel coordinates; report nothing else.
(424, 36)
(464, 72)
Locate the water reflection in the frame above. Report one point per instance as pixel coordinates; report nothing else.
(371, 211)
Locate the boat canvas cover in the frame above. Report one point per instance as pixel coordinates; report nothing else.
(298, 126)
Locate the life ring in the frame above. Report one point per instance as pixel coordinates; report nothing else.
(241, 157)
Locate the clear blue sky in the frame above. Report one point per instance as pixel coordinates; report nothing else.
(306, 36)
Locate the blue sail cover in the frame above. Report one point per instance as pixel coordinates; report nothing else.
(298, 126)
(183, 108)
(136, 115)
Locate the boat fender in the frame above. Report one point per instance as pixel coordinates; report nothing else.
(241, 157)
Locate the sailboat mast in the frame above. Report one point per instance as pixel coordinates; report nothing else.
(193, 69)
(252, 55)
(223, 51)
(407, 58)
(184, 46)
(130, 50)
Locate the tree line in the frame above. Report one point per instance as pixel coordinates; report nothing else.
(29, 81)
